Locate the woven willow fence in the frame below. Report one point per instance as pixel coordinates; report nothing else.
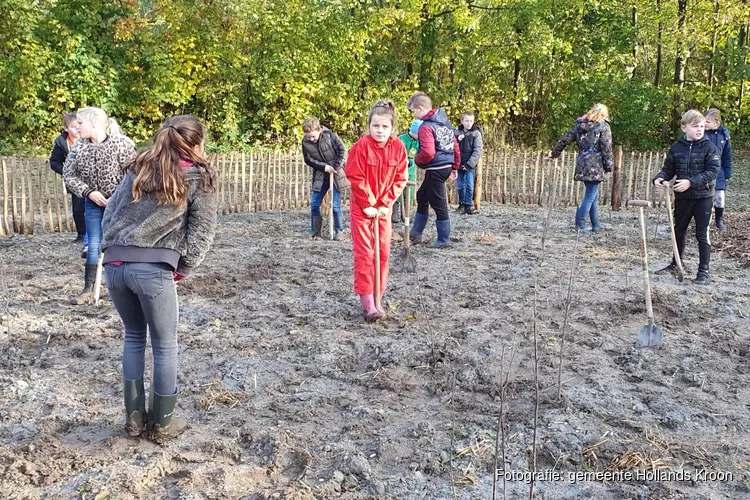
(34, 199)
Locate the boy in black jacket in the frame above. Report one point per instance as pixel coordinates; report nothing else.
(693, 162)
(60, 151)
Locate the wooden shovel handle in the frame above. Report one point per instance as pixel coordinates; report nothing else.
(646, 279)
(377, 261)
(675, 250)
(639, 203)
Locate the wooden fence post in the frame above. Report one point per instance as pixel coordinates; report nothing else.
(617, 180)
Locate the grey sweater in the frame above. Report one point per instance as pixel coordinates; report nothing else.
(148, 232)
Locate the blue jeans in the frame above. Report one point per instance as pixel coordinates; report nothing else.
(145, 296)
(465, 187)
(317, 199)
(94, 215)
(589, 206)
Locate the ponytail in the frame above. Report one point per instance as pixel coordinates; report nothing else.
(157, 169)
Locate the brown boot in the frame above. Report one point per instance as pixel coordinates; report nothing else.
(166, 424)
(87, 295)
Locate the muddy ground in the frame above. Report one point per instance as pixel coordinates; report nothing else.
(291, 395)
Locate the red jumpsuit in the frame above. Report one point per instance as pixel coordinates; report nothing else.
(378, 175)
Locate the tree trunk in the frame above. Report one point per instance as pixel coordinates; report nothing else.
(679, 66)
(742, 44)
(516, 72)
(634, 23)
(659, 58)
(712, 67)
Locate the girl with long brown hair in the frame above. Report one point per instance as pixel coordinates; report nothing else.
(158, 226)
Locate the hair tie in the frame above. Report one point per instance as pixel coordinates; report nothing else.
(172, 127)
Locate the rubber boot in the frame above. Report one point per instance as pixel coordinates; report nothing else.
(318, 225)
(396, 213)
(670, 269)
(135, 407)
(166, 424)
(372, 313)
(719, 218)
(461, 207)
(443, 233)
(89, 275)
(704, 257)
(417, 228)
(581, 226)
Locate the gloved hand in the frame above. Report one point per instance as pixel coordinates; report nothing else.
(464, 168)
(383, 211)
(371, 212)
(177, 276)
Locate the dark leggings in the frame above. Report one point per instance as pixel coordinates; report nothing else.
(79, 206)
(432, 193)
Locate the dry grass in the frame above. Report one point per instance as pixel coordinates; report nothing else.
(485, 238)
(217, 393)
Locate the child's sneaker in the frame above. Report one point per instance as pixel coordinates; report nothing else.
(670, 269)
(701, 278)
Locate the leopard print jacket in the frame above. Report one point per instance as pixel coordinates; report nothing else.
(99, 167)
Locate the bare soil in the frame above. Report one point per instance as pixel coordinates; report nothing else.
(291, 395)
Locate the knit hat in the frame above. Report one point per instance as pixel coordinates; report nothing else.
(414, 128)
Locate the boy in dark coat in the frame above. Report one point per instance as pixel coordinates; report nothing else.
(719, 136)
(694, 163)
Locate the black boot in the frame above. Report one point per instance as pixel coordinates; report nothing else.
(719, 218)
(670, 269)
(396, 213)
(166, 424)
(135, 407)
(318, 224)
(89, 275)
(470, 210)
(704, 258)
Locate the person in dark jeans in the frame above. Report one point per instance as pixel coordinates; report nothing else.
(471, 145)
(158, 226)
(92, 170)
(60, 149)
(440, 156)
(324, 152)
(594, 138)
(694, 162)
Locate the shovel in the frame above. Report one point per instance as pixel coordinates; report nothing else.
(377, 262)
(330, 213)
(407, 263)
(649, 335)
(677, 259)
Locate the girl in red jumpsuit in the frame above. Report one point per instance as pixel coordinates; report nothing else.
(377, 170)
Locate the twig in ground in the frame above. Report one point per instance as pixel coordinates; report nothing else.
(427, 318)
(453, 431)
(536, 397)
(499, 428)
(501, 420)
(568, 301)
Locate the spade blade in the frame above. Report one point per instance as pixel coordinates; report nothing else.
(649, 336)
